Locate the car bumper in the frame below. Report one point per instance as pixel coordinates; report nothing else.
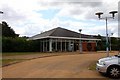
(101, 68)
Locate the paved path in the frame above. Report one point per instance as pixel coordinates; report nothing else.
(64, 66)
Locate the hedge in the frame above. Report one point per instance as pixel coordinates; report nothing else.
(19, 45)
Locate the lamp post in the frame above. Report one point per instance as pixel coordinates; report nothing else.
(106, 19)
(80, 41)
(110, 41)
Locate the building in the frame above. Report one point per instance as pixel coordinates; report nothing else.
(60, 39)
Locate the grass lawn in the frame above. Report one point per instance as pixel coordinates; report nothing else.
(92, 66)
(19, 53)
(11, 61)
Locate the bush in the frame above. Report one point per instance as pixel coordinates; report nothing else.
(19, 45)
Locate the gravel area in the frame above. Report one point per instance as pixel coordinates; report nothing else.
(67, 65)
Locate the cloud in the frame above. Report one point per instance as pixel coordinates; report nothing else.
(23, 17)
(86, 10)
(91, 4)
(11, 14)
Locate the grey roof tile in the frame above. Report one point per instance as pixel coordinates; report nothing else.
(61, 32)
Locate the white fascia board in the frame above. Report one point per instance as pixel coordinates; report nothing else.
(38, 38)
(65, 38)
(74, 38)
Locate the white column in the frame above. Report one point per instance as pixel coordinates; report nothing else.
(73, 45)
(65, 45)
(50, 45)
(47, 45)
(56, 44)
(61, 45)
(69, 45)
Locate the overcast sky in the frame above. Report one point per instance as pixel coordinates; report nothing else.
(31, 17)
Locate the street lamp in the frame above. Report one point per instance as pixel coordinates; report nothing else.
(80, 41)
(110, 41)
(1, 12)
(106, 19)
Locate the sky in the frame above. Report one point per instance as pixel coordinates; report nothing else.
(31, 17)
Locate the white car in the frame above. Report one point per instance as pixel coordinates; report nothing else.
(109, 66)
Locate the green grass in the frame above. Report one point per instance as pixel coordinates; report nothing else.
(19, 53)
(92, 66)
(11, 61)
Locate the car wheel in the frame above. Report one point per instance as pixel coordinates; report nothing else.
(114, 72)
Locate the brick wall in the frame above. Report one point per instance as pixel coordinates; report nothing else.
(89, 46)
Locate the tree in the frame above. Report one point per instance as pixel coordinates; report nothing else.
(101, 43)
(8, 31)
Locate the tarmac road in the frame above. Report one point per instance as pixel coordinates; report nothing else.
(63, 66)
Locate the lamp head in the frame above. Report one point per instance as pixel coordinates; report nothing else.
(80, 30)
(112, 33)
(99, 14)
(113, 13)
(1, 12)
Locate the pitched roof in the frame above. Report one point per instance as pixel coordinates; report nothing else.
(60, 32)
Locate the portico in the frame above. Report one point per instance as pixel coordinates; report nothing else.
(60, 40)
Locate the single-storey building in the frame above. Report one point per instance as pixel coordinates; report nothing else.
(60, 39)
